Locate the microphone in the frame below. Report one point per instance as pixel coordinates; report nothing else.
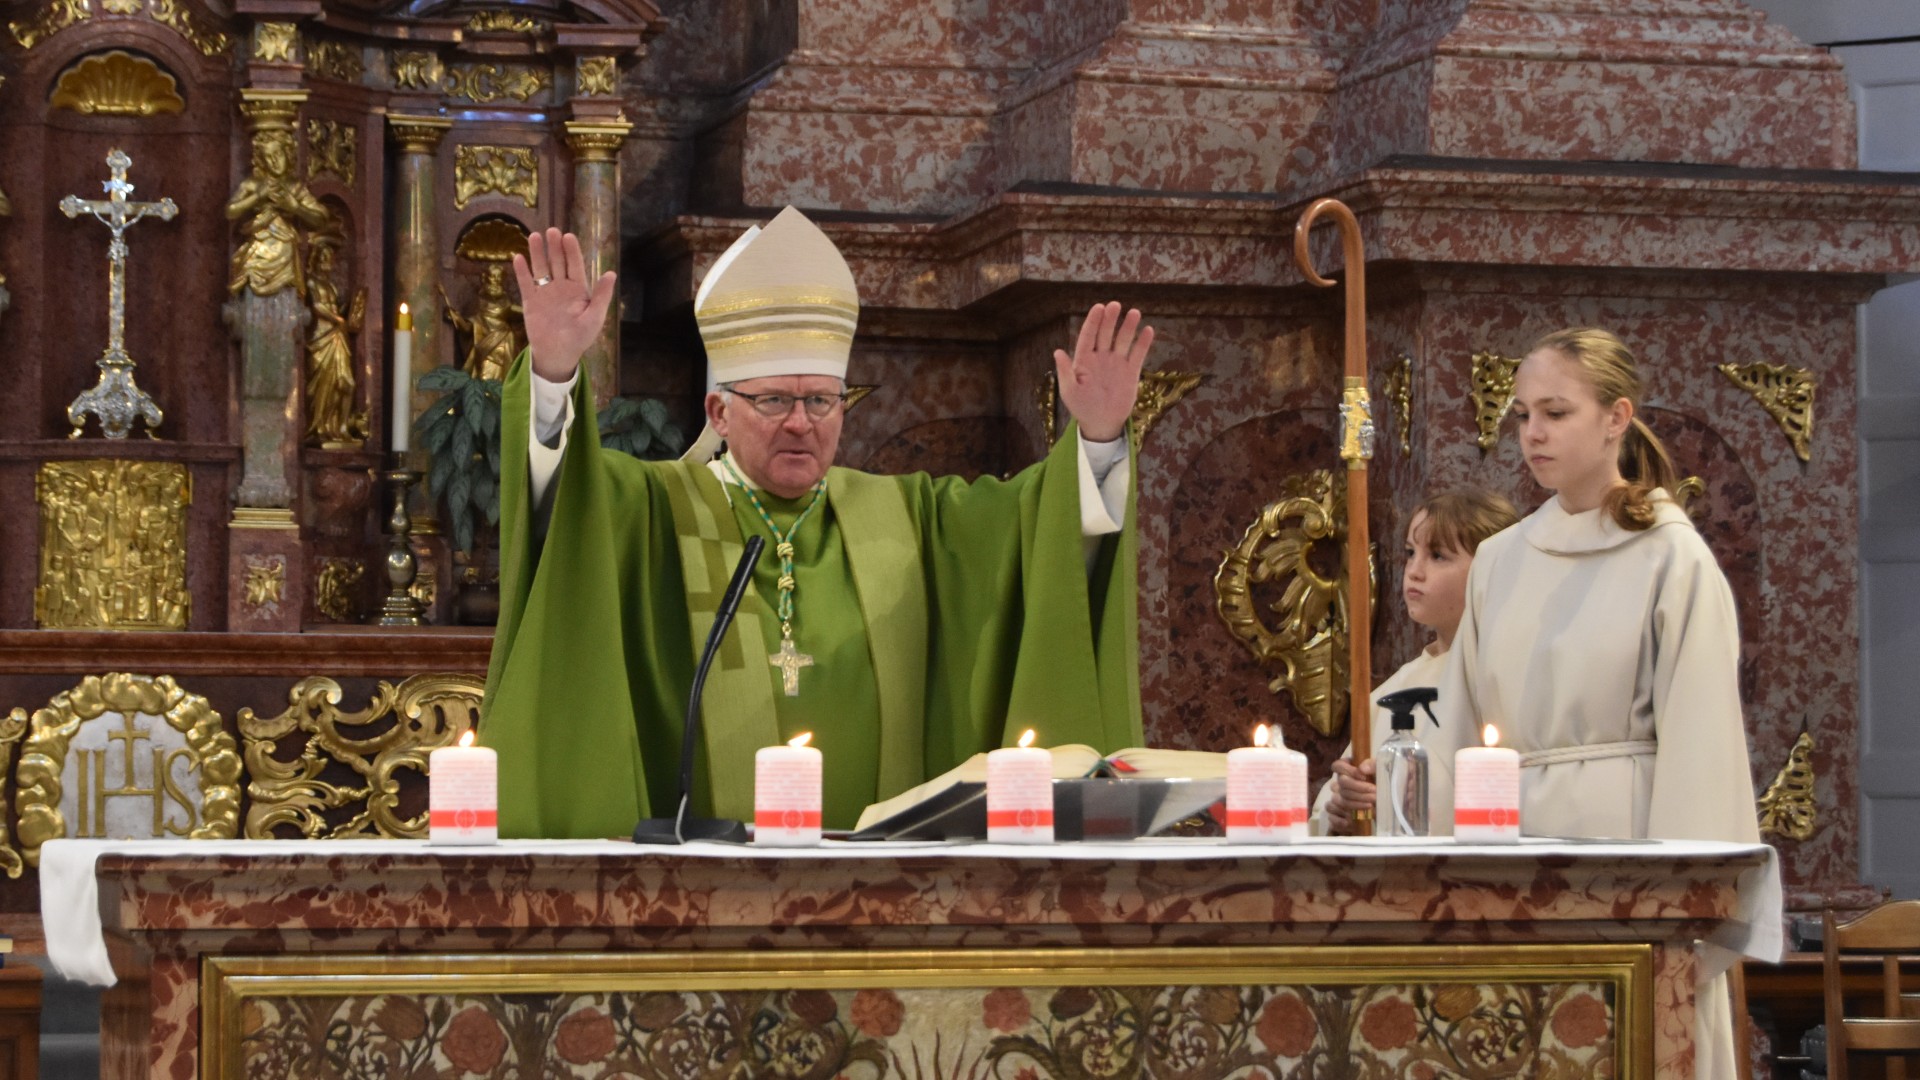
(680, 828)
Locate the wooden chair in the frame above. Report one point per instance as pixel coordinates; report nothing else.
(1892, 933)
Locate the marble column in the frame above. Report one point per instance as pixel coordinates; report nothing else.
(595, 218)
(416, 238)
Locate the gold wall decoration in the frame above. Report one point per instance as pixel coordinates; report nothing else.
(1159, 390)
(417, 69)
(121, 7)
(1788, 808)
(332, 147)
(274, 42)
(335, 60)
(400, 726)
(1400, 395)
(12, 729)
(1787, 395)
(485, 83)
(55, 17)
(1492, 394)
(856, 394)
(176, 17)
(113, 545)
(508, 170)
(1693, 487)
(117, 83)
(504, 22)
(418, 134)
(1296, 547)
(492, 240)
(596, 76)
(333, 588)
(596, 142)
(266, 581)
(210, 751)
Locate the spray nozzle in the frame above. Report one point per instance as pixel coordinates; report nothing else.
(1401, 704)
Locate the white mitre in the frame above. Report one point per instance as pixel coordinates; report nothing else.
(780, 301)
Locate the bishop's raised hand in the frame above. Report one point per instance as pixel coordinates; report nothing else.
(563, 311)
(1101, 380)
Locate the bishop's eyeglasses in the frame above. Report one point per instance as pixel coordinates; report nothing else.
(779, 406)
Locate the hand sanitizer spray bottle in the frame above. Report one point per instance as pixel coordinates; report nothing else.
(1400, 767)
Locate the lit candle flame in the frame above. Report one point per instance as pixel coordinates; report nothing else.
(466, 738)
(403, 309)
(1026, 739)
(1261, 735)
(1490, 735)
(801, 739)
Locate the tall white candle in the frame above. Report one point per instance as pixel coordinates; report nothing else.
(1266, 793)
(1020, 794)
(786, 794)
(463, 794)
(1486, 792)
(402, 380)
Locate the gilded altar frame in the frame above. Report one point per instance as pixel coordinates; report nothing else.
(229, 983)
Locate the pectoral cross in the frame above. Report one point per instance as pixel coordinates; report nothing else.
(790, 660)
(115, 399)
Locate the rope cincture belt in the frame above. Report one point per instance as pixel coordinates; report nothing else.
(1560, 755)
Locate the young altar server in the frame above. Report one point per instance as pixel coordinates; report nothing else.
(1599, 635)
(1442, 537)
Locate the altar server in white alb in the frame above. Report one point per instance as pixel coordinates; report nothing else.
(1600, 637)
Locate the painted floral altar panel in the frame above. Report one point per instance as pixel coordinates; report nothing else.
(1332, 1023)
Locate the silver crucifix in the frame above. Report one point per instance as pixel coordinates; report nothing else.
(115, 399)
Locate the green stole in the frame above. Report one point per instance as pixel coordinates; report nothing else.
(879, 536)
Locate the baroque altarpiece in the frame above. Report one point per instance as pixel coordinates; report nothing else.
(989, 170)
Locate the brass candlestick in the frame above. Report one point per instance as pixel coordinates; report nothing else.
(400, 608)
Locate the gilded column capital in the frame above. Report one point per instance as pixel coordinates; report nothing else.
(596, 141)
(418, 134)
(271, 110)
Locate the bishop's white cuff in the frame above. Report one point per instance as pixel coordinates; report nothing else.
(1104, 479)
(552, 416)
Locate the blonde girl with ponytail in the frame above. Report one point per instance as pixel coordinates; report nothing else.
(1599, 636)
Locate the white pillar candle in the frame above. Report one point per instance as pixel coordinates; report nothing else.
(1020, 794)
(402, 380)
(1266, 793)
(463, 794)
(786, 794)
(1486, 792)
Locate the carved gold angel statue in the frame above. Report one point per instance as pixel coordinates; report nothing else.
(331, 420)
(268, 259)
(493, 329)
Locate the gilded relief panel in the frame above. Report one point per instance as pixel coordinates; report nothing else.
(113, 545)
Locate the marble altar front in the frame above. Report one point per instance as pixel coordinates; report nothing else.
(1194, 959)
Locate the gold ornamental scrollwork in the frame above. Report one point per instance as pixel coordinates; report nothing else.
(1787, 395)
(596, 76)
(417, 69)
(1788, 808)
(1295, 547)
(52, 19)
(333, 589)
(335, 60)
(1492, 394)
(176, 17)
(117, 83)
(1159, 391)
(12, 729)
(113, 545)
(487, 83)
(367, 751)
(1400, 396)
(505, 22)
(274, 42)
(507, 170)
(210, 751)
(332, 148)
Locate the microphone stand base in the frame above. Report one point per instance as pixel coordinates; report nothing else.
(661, 831)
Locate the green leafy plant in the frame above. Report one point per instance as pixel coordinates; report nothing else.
(460, 432)
(639, 426)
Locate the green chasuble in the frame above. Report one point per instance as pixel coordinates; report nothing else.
(943, 618)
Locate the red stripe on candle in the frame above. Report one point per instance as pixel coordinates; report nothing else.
(463, 819)
(1486, 816)
(786, 819)
(1264, 819)
(1019, 819)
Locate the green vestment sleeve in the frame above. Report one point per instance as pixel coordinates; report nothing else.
(980, 615)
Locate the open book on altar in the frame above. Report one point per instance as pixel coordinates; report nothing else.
(1086, 784)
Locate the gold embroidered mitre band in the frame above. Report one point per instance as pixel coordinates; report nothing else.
(780, 301)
